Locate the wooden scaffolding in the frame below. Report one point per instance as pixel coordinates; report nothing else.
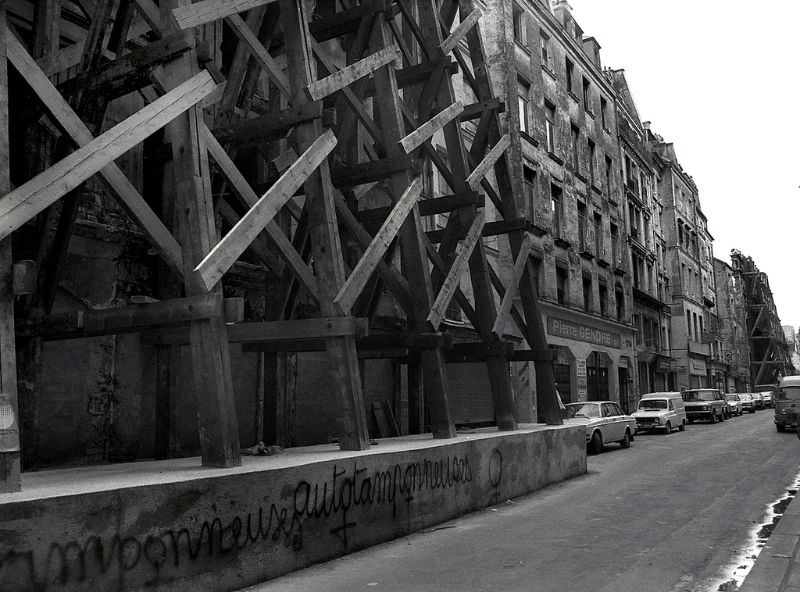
(340, 101)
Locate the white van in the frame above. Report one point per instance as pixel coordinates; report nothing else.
(661, 411)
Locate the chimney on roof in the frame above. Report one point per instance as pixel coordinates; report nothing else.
(646, 125)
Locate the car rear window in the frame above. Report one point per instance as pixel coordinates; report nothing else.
(699, 396)
(652, 404)
(789, 393)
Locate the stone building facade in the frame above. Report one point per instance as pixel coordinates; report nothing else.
(733, 327)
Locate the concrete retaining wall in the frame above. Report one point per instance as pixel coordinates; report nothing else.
(226, 532)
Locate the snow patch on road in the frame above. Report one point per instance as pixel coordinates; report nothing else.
(736, 571)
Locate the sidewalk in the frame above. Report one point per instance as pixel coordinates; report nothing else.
(777, 568)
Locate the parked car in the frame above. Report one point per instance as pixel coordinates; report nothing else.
(787, 403)
(769, 399)
(758, 400)
(704, 404)
(605, 422)
(748, 404)
(734, 403)
(660, 411)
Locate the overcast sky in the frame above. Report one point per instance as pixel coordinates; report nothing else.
(719, 78)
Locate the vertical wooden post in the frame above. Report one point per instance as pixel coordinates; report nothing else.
(9, 407)
(325, 242)
(213, 382)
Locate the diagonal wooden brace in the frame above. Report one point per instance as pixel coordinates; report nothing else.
(460, 260)
(260, 54)
(352, 288)
(513, 283)
(461, 31)
(416, 138)
(205, 11)
(485, 165)
(348, 75)
(246, 193)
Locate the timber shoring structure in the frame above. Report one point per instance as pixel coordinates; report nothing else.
(274, 123)
(769, 353)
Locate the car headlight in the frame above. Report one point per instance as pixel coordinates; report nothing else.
(657, 421)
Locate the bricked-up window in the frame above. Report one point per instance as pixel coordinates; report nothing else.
(604, 112)
(529, 186)
(587, 95)
(545, 49)
(523, 99)
(574, 138)
(520, 29)
(591, 155)
(562, 285)
(570, 75)
(550, 126)
(556, 209)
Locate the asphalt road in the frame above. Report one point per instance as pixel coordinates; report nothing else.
(666, 515)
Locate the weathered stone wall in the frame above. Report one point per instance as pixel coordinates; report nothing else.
(230, 531)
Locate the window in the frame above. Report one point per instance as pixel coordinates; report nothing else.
(523, 94)
(570, 73)
(520, 33)
(550, 126)
(619, 296)
(587, 96)
(609, 173)
(556, 209)
(604, 112)
(598, 234)
(538, 275)
(694, 326)
(602, 293)
(574, 136)
(587, 293)
(529, 183)
(582, 226)
(545, 49)
(591, 152)
(616, 256)
(562, 285)
(689, 324)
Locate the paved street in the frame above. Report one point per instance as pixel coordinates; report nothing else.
(665, 515)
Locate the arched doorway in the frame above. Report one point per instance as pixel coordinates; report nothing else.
(597, 378)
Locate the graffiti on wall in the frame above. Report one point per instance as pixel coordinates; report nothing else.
(333, 503)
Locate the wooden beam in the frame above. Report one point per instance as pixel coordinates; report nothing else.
(364, 269)
(112, 175)
(485, 165)
(424, 132)
(476, 110)
(369, 172)
(29, 199)
(10, 451)
(349, 74)
(260, 53)
(414, 75)
(460, 32)
(150, 14)
(229, 249)
(460, 261)
(267, 127)
(490, 228)
(205, 11)
(511, 289)
(55, 63)
(246, 193)
(427, 207)
(347, 21)
(298, 330)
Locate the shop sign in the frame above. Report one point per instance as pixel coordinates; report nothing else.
(580, 332)
(697, 366)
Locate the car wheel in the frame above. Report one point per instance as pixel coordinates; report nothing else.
(626, 441)
(713, 417)
(780, 427)
(668, 428)
(596, 443)
(691, 420)
(682, 427)
(722, 415)
(752, 410)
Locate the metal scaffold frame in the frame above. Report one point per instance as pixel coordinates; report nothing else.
(341, 101)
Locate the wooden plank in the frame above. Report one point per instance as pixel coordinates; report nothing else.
(260, 54)
(55, 63)
(112, 175)
(369, 172)
(461, 31)
(243, 189)
(29, 199)
(346, 21)
(267, 127)
(414, 75)
(396, 282)
(150, 13)
(349, 74)
(511, 289)
(124, 319)
(205, 11)
(424, 132)
(298, 330)
(427, 207)
(229, 249)
(10, 451)
(489, 229)
(354, 285)
(460, 261)
(476, 110)
(480, 171)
